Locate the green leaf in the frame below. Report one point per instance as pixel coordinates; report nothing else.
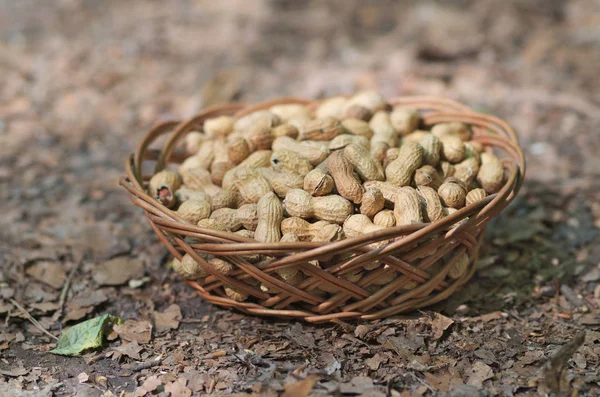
(85, 335)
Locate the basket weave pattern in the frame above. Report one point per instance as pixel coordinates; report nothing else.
(419, 255)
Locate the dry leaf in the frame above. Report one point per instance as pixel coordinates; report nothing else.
(439, 325)
(479, 373)
(374, 361)
(149, 385)
(169, 319)
(83, 377)
(178, 388)
(361, 330)
(49, 273)
(301, 388)
(131, 349)
(118, 271)
(132, 330)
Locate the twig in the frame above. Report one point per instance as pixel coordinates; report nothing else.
(555, 370)
(146, 365)
(66, 286)
(31, 319)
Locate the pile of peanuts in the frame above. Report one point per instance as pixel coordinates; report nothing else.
(347, 167)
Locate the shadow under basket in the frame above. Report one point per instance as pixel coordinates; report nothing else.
(416, 261)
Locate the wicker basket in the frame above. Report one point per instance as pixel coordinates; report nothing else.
(421, 255)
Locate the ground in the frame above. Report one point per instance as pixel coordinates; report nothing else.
(82, 81)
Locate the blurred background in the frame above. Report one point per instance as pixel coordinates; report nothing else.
(82, 81)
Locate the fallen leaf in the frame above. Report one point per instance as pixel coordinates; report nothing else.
(297, 334)
(14, 372)
(374, 362)
(167, 320)
(118, 271)
(45, 306)
(49, 273)
(479, 373)
(77, 313)
(132, 330)
(439, 324)
(358, 385)
(301, 388)
(361, 330)
(86, 335)
(90, 299)
(178, 388)
(131, 349)
(149, 385)
(83, 377)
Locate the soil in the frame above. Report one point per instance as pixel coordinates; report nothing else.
(82, 82)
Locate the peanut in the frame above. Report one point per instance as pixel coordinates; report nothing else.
(400, 171)
(235, 294)
(475, 196)
(323, 129)
(491, 173)
(379, 150)
(453, 149)
(184, 193)
(404, 121)
(162, 187)
(452, 193)
(270, 214)
(433, 205)
(428, 176)
(459, 267)
(305, 231)
(369, 99)
(221, 163)
(457, 129)
(383, 130)
(358, 127)
(194, 210)
(213, 224)
(318, 182)
(358, 112)
(258, 137)
(287, 160)
(407, 207)
(330, 208)
(432, 147)
(193, 141)
(314, 154)
(259, 118)
(388, 190)
(355, 276)
(346, 184)
(385, 218)
(281, 182)
(359, 224)
(188, 268)
(218, 127)
(221, 266)
(225, 199)
(238, 149)
(390, 155)
(202, 159)
(284, 130)
(290, 111)
(372, 202)
(363, 162)
(333, 107)
(234, 219)
(251, 185)
(199, 179)
(261, 158)
(245, 233)
(341, 141)
(447, 169)
(415, 136)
